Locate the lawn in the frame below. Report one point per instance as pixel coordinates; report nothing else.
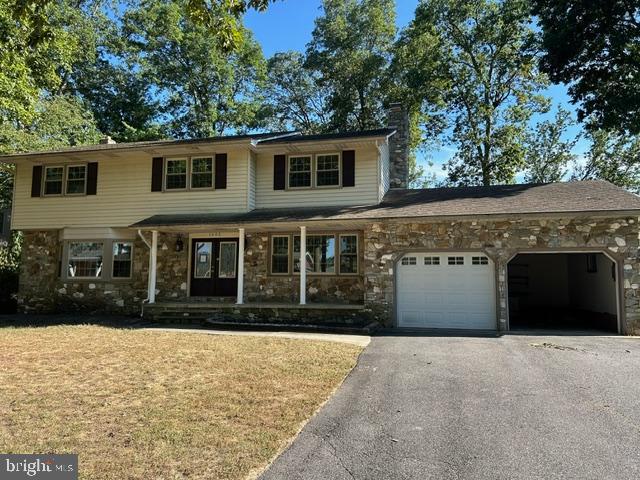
(141, 404)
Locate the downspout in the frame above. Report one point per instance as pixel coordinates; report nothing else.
(146, 300)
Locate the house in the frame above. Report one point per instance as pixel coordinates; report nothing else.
(220, 227)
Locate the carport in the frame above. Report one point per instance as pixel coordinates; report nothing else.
(563, 290)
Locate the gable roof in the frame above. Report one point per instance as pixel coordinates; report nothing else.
(593, 196)
(254, 139)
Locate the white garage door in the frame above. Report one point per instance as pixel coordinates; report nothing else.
(446, 290)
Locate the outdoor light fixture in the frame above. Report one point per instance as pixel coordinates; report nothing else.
(179, 244)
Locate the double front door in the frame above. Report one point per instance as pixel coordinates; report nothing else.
(214, 267)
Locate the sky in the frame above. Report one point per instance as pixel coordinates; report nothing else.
(288, 24)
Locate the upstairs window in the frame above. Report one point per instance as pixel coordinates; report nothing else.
(176, 178)
(328, 170)
(53, 180)
(202, 172)
(76, 180)
(85, 259)
(300, 171)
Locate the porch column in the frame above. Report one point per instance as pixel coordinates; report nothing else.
(303, 265)
(153, 261)
(240, 299)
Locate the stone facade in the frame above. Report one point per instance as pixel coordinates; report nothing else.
(382, 244)
(386, 242)
(398, 119)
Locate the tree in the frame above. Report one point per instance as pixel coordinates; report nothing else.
(594, 46)
(204, 90)
(351, 49)
(471, 68)
(548, 153)
(613, 157)
(296, 100)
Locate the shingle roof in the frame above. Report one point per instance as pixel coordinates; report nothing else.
(255, 138)
(569, 197)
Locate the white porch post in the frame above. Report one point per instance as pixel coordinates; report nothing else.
(153, 261)
(240, 299)
(303, 265)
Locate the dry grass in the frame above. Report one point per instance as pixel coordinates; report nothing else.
(138, 404)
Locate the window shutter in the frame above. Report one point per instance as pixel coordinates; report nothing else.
(279, 172)
(92, 178)
(157, 172)
(36, 181)
(349, 168)
(221, 171)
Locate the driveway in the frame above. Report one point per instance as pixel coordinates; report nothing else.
(513, 407)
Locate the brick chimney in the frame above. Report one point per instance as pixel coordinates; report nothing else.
(107, 141)
(398, 119)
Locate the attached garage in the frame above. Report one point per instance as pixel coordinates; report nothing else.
(454, 290)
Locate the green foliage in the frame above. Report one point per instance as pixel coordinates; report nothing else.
(351, 49)
(295, 97)
(204, 90)
(548, 153)
(594, 47)
(470, 68)
(612, 157)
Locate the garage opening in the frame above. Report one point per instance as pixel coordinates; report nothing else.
(569, 291)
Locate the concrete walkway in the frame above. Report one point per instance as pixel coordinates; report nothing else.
(360, 340)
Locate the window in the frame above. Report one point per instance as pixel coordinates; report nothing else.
(280, 254)
(85, 260)
(76, 179)
(321, 254)
(299, 171)
(202, 172)
(53, 180)
(328, 170)
(455, 260)
(479, 261)
(202, 259)
(227, 261)
(122, 260)
(176, 174)
(409, 261)
(432, 260)
(348, 254)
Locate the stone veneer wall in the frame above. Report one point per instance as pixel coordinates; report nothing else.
(41, 290)
(386, 242)
(261, 287)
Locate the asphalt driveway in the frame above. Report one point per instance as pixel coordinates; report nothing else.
(514, 407)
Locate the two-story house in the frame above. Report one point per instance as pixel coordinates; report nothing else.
(295, 228)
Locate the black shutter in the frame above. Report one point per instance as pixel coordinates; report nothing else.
(157, 173)
(349, 168)
(36, 181)
(92, 178)
(221, 170)
(279, 172)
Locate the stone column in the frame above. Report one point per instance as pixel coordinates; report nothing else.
(398, 119)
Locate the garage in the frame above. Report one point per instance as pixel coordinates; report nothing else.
(567, 291)
(453, 290)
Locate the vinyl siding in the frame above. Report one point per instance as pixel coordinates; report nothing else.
(365, 191)
(124, 195)
(251, 193)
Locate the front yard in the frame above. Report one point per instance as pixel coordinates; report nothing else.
(140, 404)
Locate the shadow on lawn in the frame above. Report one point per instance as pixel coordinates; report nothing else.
(51, 320)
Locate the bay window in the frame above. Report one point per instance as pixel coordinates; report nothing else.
(85, 260)
(122, 260)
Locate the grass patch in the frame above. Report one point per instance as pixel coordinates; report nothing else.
(139, 404)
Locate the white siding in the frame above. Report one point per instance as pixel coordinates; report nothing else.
(124, 195)
(384, 170)
(365, 191)
(251, 202)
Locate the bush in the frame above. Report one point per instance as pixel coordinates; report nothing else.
(9, 273)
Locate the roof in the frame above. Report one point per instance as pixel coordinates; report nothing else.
(568, 197)
(252, 138)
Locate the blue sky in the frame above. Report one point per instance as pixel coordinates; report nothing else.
(287, 25)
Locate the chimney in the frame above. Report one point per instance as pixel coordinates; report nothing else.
(398, 119)
(107, 141)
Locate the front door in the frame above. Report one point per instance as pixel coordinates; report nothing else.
(214, 267)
